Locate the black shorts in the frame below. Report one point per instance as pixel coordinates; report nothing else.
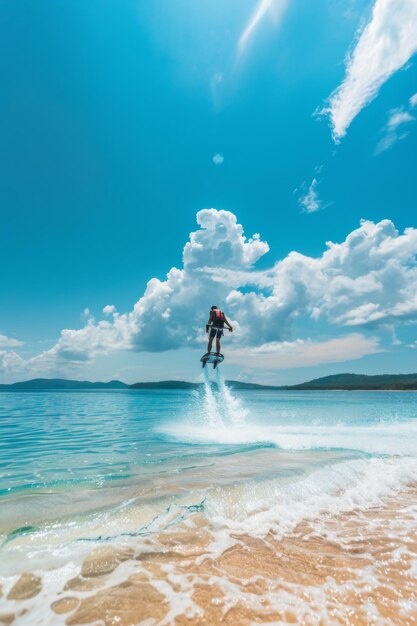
(216, 332)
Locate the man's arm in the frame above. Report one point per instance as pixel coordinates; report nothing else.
(226, 321)
(209, 321)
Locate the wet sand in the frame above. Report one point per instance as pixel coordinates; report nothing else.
(353, 568)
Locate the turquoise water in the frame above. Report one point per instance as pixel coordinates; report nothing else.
(89, 466)
(89, 469)
(51, 440)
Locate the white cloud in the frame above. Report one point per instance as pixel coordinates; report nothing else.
(413, 101)
(384, 46)
(10, 361)
(394, 129)
(8, 342)
(367, 281)
(274, 8)
(218, 159)
(220, 241)
(310, 201)
(109, 309)
(172, 312)
(305, 353)
(399, 117)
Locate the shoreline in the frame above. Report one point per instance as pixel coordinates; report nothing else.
(191, 573)
(188, 509)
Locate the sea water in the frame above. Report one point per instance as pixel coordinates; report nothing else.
(212, 505)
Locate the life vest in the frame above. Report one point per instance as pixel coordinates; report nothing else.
(217, 318)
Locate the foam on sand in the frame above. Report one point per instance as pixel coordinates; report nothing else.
(358, 567)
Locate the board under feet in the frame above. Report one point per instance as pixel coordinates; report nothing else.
(213, 358)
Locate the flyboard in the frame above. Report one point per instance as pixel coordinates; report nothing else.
(212, 357)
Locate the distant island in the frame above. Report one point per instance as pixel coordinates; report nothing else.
(357, 382)
(49, 384)
(348, 382)
(183, 384)
(62, 384)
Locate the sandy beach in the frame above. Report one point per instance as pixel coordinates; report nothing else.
(354, 568)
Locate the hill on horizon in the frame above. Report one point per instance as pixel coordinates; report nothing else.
(62, 383)
(351, 382)
(183, 384)
(360, 381)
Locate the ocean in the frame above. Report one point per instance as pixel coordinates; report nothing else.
(208, 506)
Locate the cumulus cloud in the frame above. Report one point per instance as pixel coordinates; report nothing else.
(366, 282)
(396, 128)
(8, 342)
(384, 46)
(172, 312)
(304, 353)
(109, 309)
(10, 361)
(310, 201)
(218, 159)
(274, 8)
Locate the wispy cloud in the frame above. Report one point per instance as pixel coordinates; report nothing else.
(308, 196)
(274, 8)
(396, 128)
(218, 159)
(8, 342)
(304, 353)
(11, 362)
(310, 201)
(384, 46)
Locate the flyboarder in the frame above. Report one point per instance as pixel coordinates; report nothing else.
(215, 326)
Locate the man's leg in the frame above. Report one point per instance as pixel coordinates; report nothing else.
(218, 337)
(218, 345)
(210, 343)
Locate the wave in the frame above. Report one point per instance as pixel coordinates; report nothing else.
(279, 505)
(217, 416)
(186, 550)
(254, 507)
(379, 438)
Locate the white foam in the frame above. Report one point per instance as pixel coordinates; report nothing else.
(380, 438)
(260, 507)
(215, 409)
(209, 405)
(233, 411)
(255, 508)
(218, 417)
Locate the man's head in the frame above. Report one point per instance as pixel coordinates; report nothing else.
(214, 307)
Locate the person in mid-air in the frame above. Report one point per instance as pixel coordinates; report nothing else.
(215, 326)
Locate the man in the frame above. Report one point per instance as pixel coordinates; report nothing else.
(215, 325)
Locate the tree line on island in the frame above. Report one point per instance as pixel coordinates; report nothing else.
(349, 382)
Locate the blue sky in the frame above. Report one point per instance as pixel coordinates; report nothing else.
(111, 114)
